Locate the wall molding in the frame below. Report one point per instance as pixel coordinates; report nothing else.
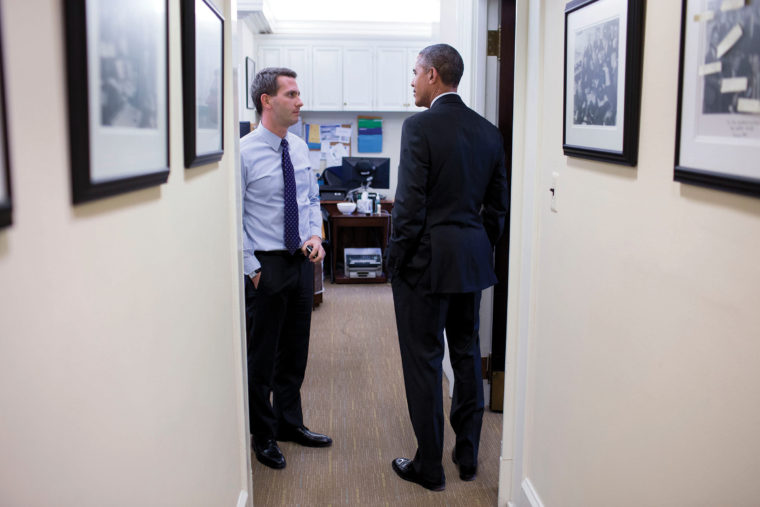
(530, 493)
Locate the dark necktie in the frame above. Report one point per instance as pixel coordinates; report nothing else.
(291, 236)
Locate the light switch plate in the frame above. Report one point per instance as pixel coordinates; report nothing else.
(554, 190)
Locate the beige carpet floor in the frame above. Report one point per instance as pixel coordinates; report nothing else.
(354, 392)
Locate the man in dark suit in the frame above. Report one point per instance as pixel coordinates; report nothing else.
(450, 208)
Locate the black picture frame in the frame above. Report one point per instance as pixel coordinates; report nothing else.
(717, 130)
(250, 73)
(118, 95)
(202, 82)
(596, 125)
(6, 201)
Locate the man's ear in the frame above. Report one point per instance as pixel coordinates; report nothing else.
(434, 76)
(265, 98)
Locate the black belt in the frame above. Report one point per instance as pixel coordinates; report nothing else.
(278, 253)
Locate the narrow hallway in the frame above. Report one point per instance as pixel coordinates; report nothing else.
(354, 392)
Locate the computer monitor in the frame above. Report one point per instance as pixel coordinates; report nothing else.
(372, 172)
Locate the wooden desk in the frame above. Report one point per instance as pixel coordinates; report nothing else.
(332, 206)
(365, 230)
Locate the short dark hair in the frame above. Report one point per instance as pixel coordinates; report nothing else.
(266, 82)
(446, 60)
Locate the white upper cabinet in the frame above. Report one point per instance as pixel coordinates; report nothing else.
(392, 82)
(270, 57)
(327, 79)
(299, 59)
(394, 79)
(346, 75)
(411, 61)
(296, 58)
(358, 79)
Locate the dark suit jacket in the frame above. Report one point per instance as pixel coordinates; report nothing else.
(451, 200)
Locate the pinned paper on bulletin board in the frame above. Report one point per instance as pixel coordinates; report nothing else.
(370, 135)
(335, 133)
(320, 137)
(332, 141)
(311, 135)
(334, 153)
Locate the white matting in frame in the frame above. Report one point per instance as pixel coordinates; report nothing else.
(4, 195)
(596, 31)
(208, 78)
(6, 207)
(127, 84)
(602, 82)
(117, 74)
(5, 192)
(202, 81)
(250, 73)
(719, 129)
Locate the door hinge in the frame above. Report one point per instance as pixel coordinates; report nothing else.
(493, 43)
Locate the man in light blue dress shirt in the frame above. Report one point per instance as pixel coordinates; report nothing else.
(282, 239)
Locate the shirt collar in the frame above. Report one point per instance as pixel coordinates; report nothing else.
(269, 137)
(441, 95)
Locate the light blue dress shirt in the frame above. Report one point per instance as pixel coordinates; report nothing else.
(263, 201)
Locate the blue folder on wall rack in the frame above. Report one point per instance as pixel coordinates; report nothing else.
(370, 135)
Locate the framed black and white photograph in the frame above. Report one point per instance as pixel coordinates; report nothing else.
(6, 209)
(203, 82)
(718, 131)
(603, 54)
(118, 87)
(250, 73)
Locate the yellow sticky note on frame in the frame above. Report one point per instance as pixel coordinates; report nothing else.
(731, 38)
(731, 5)
(751, 106)
(734, 85)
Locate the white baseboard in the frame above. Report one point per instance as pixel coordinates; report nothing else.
(530, 493)
(242, 499)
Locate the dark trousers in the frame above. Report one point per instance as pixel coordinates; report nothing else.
(278, 321)
(421, 317)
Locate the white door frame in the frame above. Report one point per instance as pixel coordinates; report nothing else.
(523, 240)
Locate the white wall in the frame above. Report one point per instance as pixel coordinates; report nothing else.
(456, 30)
(246, 48)
(642, 347)
(120, 341)
(392, 123)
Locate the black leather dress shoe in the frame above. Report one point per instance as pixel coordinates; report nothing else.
(404, 469)
(466, 473)
(303, 436)
(269, 454)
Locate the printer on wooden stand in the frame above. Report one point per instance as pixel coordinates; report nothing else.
(363, 262)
